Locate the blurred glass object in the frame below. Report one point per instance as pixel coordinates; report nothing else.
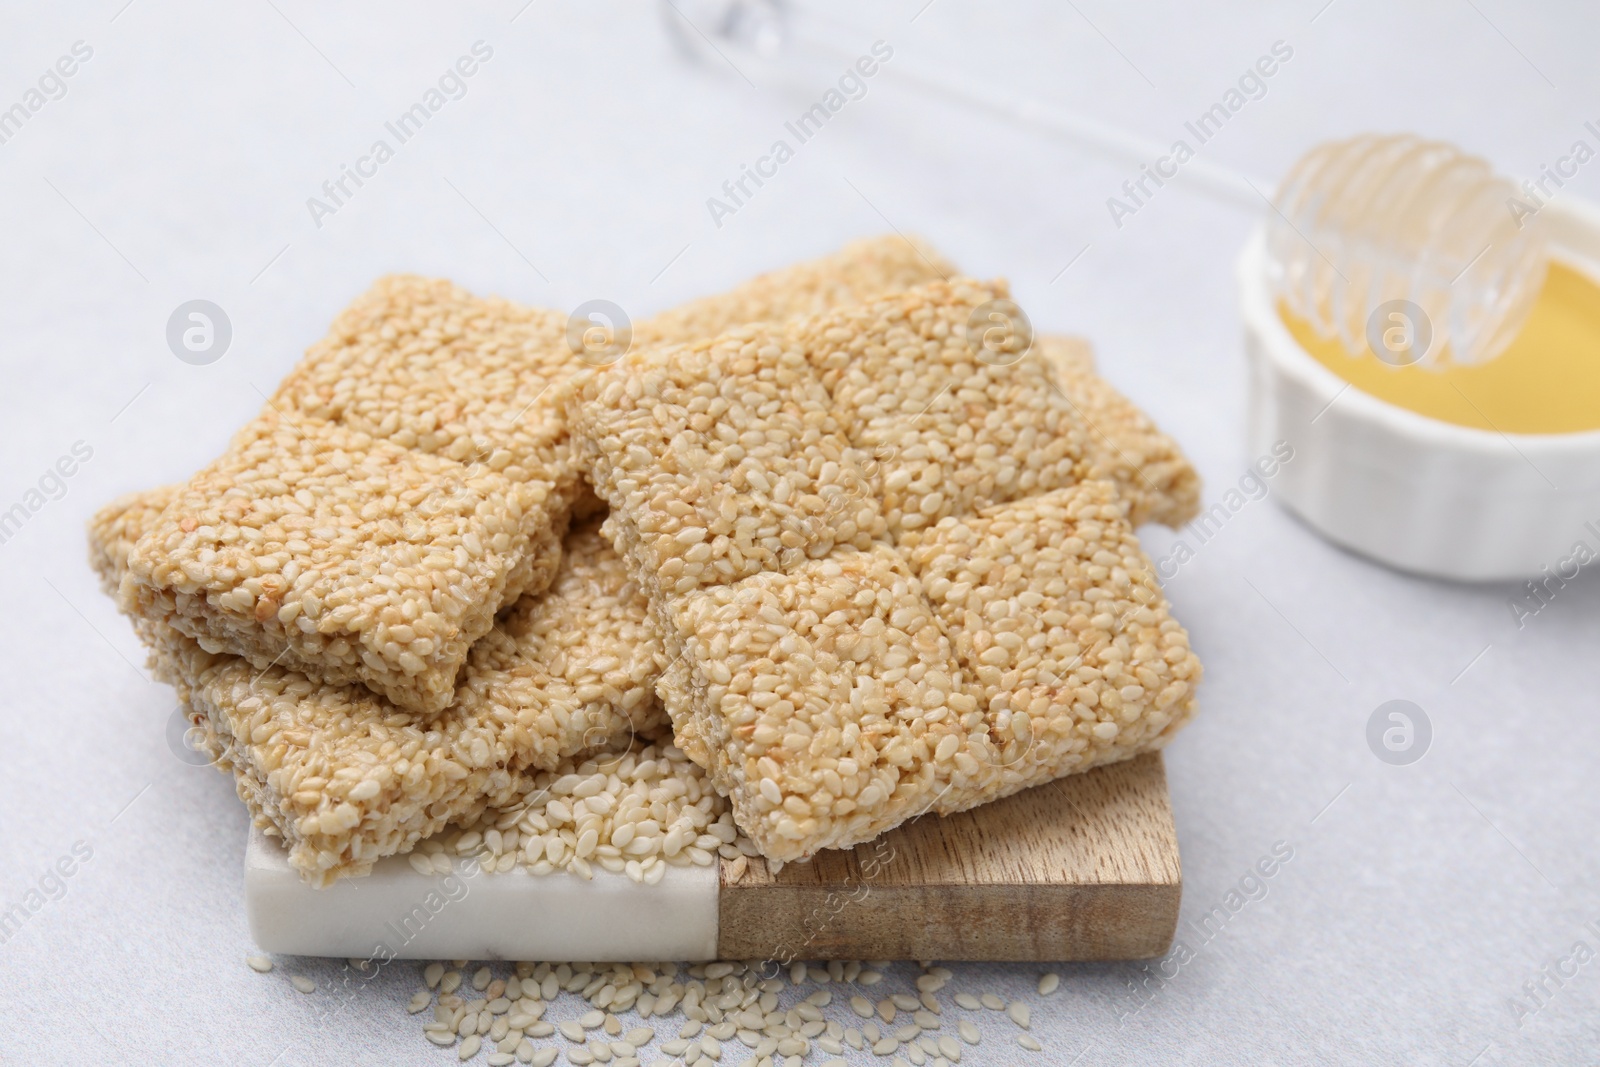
(1407, 241)
(702, 28)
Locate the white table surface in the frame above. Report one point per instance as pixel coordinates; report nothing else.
(1419, 898)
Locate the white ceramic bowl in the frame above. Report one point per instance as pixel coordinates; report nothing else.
(1408, 490)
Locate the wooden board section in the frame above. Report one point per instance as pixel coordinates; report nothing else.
(1085, 868)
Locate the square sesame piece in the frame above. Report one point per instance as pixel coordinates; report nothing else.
(1153, 477)
(345, 777)
(1053, 609)
(862, 269)
(721, 460)
(828, 700)
(404, 482)
(951, 425)
(116, 526)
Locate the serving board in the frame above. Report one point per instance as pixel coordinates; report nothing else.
(1085, 868)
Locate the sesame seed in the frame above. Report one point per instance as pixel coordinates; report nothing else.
(969, 1033)
(302, 983)
(1028, 1042)
(1017, 1011)
(992, 1002)
(1048, 983)
(259, 964)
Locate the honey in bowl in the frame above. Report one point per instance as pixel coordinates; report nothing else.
(1547, 381)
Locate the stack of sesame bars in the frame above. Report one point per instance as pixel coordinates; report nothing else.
(815, 557)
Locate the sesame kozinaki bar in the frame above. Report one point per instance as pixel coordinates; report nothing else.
(404, 482)
(345, 777)
(788, 494)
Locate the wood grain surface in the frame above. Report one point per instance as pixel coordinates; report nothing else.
(1085, 868)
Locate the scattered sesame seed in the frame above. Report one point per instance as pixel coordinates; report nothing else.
(259, 964)
(302, 983)
(992, 1002)
(968, 1032)
(1049, 983)
(1028, 1042)
(1017, 1011)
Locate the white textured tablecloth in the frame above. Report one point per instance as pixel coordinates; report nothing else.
(175, 163)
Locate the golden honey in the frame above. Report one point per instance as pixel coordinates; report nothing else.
(1546, 381)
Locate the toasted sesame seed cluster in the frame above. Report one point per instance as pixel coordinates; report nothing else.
(633, 808)
(696, 1013)
(405, 481)
(829, 694)
(856, 567)
(345, 777)
(786, 495)
(1055, 614)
